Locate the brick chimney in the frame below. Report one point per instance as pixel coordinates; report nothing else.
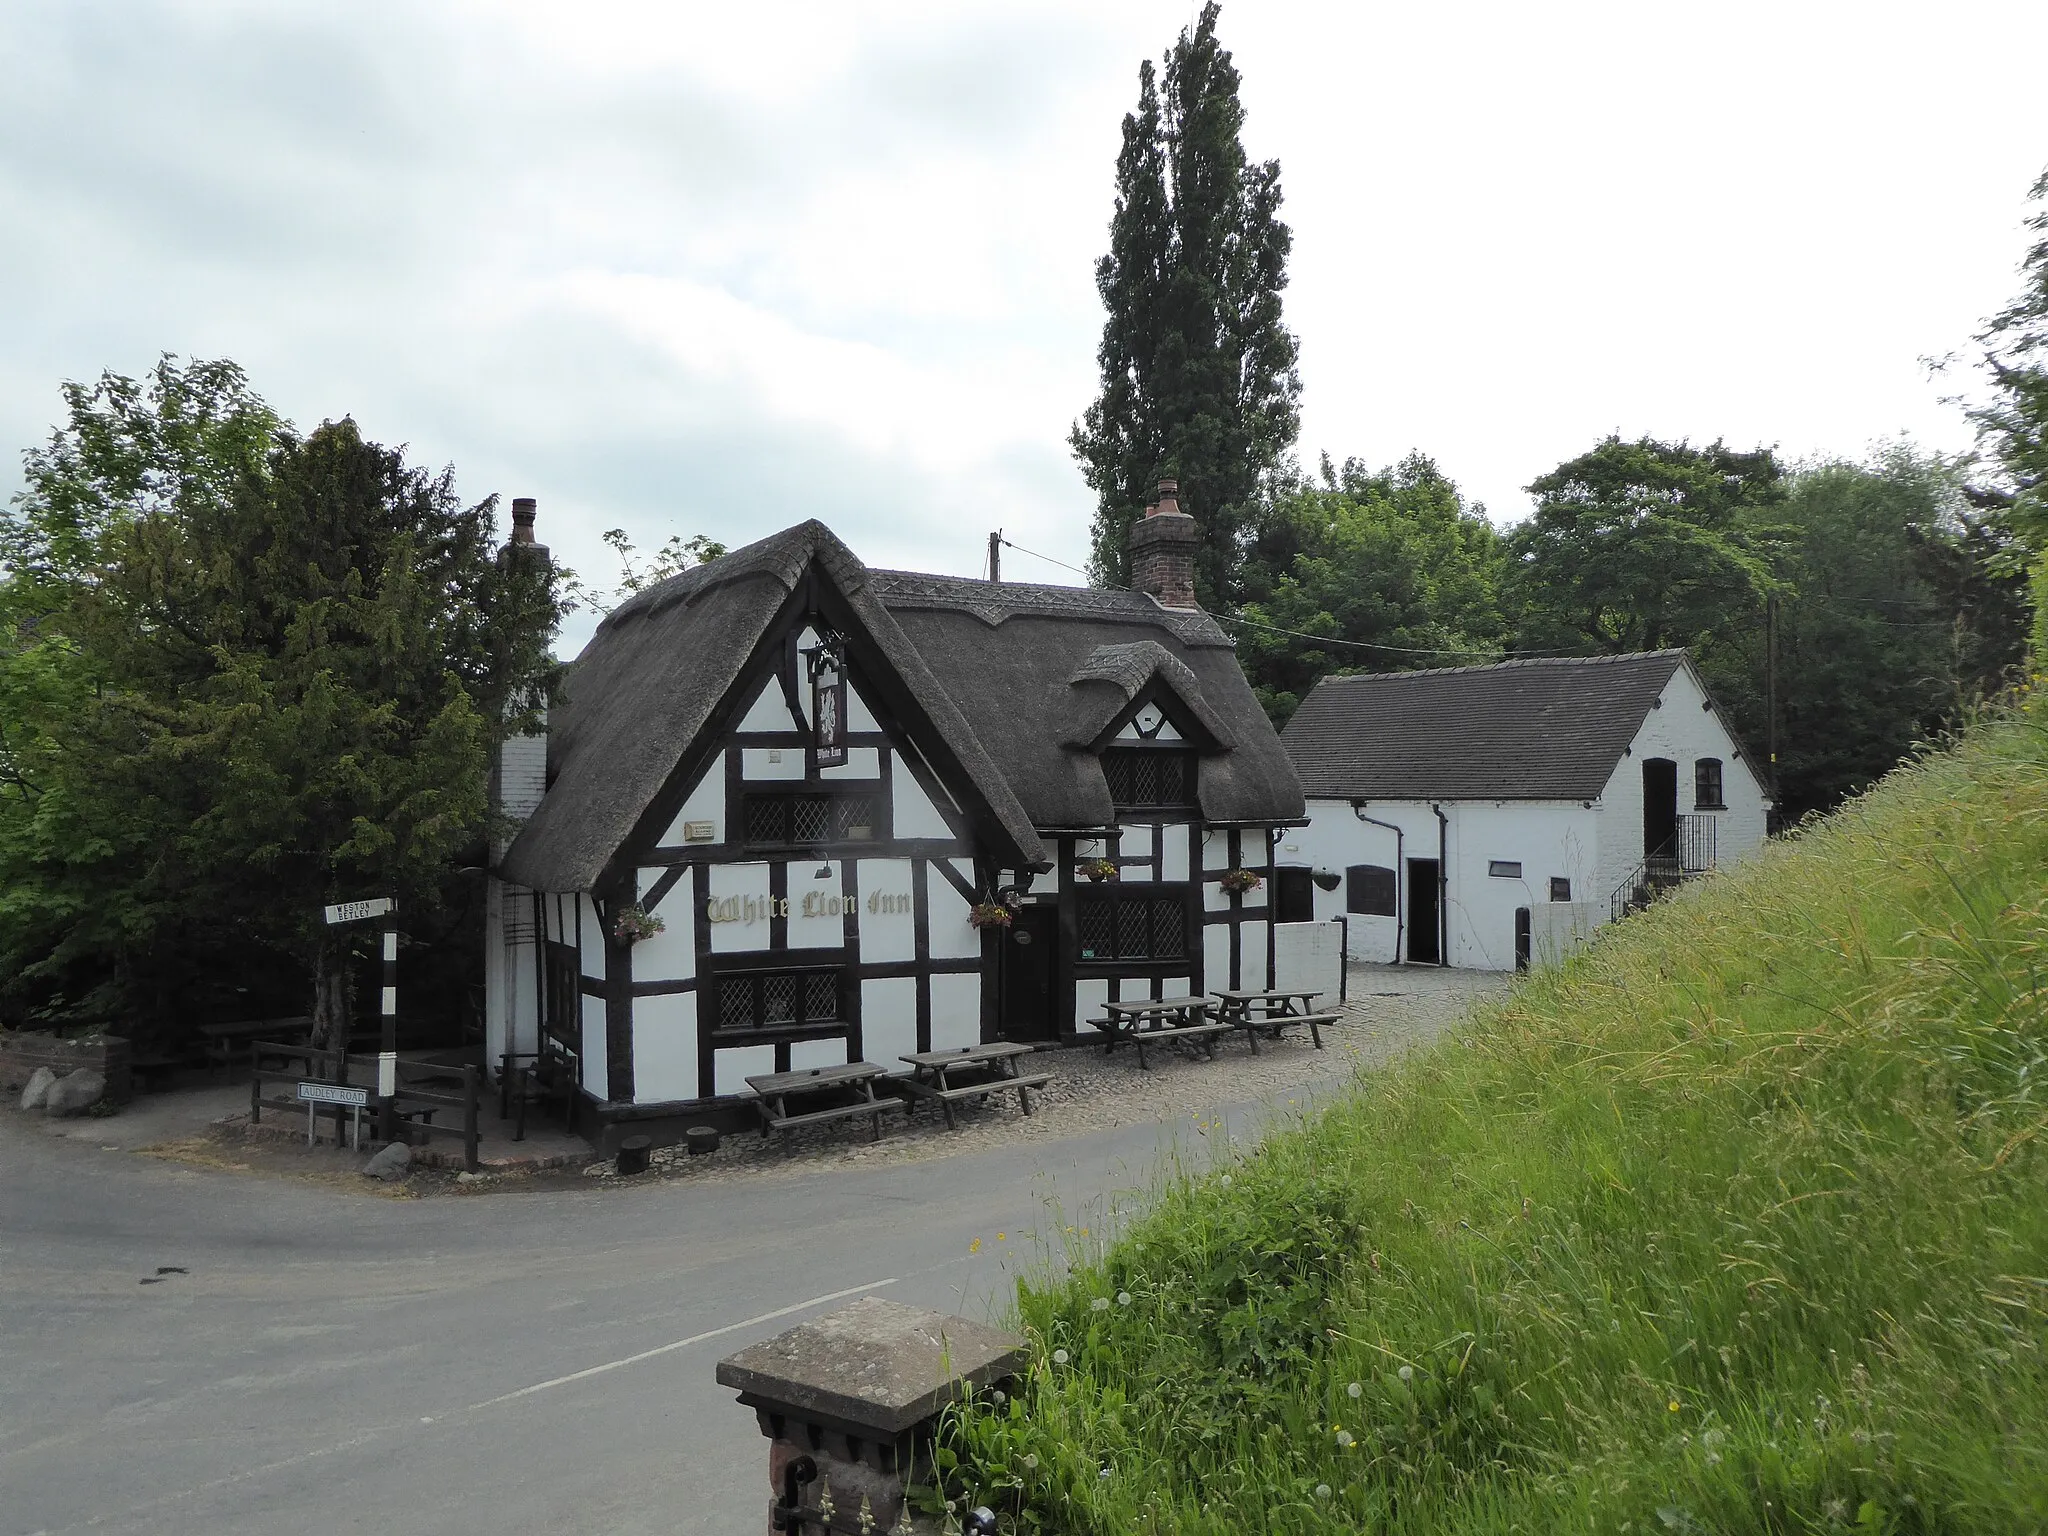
(1163, 544)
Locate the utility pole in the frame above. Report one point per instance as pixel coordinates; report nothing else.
(1771, 691)
(995, 555)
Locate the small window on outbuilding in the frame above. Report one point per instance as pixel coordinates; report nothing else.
(1370, 890)
(1706, 785)
(1560, 888)
(1504, 869)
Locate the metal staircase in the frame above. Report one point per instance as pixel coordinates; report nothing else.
(1690, 853)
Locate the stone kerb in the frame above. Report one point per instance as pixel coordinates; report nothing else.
(859, 1392)
(21, 1052)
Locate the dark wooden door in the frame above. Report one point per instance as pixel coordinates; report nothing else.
(1030, 948)
(1660, 808)
(1424, 918)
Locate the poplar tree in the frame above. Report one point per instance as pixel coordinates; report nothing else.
(1198, 370)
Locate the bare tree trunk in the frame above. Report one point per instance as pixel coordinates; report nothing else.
(331, 1004)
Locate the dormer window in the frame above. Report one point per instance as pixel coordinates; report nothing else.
(1149, 778)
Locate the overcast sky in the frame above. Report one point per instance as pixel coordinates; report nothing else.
(717, 268)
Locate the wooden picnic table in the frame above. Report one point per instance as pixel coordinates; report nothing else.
(971, 1071)
(1271, 1011)
(1156, 1020)
(835, 1093)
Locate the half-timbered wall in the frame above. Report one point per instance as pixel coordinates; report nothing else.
(811, 916)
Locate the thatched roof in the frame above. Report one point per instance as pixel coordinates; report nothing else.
(1546, 729)
(1005, 687)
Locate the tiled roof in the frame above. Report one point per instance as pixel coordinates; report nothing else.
(1548, 729)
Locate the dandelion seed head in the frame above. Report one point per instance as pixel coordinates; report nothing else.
(1059, 1357)
(1406, 1373)
(1226, 1181)
(1355, 1389)
(1322, 1490)
(1099, 1304)
(1123, 1298)
(1031, 1461)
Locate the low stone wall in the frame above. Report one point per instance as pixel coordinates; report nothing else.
(22, 1052)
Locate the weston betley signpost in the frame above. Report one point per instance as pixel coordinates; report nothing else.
(387, 1054)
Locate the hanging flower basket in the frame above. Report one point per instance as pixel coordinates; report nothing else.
(990, 914)
(1239, 881)
(1097, 870)
(635, 923)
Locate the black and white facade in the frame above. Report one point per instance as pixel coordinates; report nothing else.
(809, 775)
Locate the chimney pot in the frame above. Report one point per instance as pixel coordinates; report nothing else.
(523, 512)
(1169, 499)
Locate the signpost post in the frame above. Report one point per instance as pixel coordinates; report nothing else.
(387, 1052)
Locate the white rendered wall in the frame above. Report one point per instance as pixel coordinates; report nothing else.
(1683, 730)
(664, 1046)
(1547, 838)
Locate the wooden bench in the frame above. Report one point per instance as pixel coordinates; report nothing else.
(970, 1072)
(783, 1098)
(1272, 1011)
(154, 1072)
(1159, 1021)
(221, 1044)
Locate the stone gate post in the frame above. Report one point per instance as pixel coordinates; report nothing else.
(858, 1392)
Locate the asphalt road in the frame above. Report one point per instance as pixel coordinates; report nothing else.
(529, 1362)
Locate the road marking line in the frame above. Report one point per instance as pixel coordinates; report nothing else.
(695, 1338)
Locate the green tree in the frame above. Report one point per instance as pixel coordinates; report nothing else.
(1637, 546)
(274, 668)
(1198, 370)
(1899, 610)
(2013, 424)
(1394, 562)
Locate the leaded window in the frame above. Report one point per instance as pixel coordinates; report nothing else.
(1149, 777)
(811, 818)
(1141, 923)
(778, 1000)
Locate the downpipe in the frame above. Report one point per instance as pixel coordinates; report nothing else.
(1400, 879)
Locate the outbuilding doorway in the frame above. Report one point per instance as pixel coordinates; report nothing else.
(1424, 916)
(1660, 809)
(1029, 947)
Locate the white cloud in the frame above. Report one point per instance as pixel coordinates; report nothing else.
(681, 268)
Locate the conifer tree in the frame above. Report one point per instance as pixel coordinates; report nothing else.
(1198, 370)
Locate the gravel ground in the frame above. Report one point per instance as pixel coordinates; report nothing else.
(1390, 1010)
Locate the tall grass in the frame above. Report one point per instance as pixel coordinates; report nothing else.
(1737, 1222)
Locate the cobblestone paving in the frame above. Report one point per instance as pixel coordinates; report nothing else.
(1390, 1010)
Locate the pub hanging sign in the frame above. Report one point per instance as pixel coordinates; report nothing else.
(828, 701)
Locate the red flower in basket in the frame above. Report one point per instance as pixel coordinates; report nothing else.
(990, 914)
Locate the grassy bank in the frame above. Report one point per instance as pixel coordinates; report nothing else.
(1737, 1223)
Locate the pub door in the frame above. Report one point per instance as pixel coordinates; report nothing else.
(1029, 947)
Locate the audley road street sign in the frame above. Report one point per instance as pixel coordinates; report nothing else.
(334, 1093)
(355, 1100)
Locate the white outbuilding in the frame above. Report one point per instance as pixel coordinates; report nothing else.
(1491, 817)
